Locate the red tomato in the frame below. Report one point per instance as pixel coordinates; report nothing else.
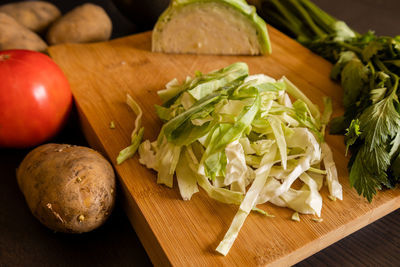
(35, 98)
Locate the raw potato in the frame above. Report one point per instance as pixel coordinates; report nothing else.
(34, 15)
(68, 188)
(84, 24)
(15, 36)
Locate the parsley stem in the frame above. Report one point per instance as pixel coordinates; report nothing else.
(395, 77)
(285, 17)
(396, 84)
(285, 12)
(390, 41)
(373, 72)
(323, 19)
(320, 33)
(382, 66)
(350, 47)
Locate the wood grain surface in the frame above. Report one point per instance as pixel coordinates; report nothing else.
(181, 233)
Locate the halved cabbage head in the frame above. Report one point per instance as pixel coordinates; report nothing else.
(224, 27)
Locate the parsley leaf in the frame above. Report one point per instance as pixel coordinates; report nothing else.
(379, 122)
(395, 145)
(344, 58)
(352, 134)
(354, 77)
(362, 179)
(371, 50)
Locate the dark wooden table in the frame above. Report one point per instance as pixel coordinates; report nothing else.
(25, 242)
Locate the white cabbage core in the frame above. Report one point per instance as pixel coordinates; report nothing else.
(210, 28)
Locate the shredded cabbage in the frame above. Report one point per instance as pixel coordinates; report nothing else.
(243, 140)
(187, 180)
(137, 133)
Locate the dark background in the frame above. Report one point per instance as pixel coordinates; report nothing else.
(25, 242)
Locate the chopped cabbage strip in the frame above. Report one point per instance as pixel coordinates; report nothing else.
(280, 139)
(129, 151)
(221, 194)
(326, 115)
(247, 146)
(201, 121)
(147, 155)
(167, 158)
(138, 111)
(304, 164)
(306, 200)
(187, 100)
(295, 216)
(137, 133)
(314, 199)
(304, 139)
(233, 107)
(172, 89)
(261, 173)
(286, 101)
(232, 233)
(297, 94)
(185, 176)
(263, 146)
(335, 188)
(261, 78)
(318, 178)
(248, 202)
(236, 167)
(209, 83)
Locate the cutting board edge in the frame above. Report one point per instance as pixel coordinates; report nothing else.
(332, 237)
(147, 237)
(135, 216)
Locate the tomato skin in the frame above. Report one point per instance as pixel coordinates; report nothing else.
(35, 98)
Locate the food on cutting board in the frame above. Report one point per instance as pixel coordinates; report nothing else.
(226, 27)
(242, 139)
(34, 15)
(368, 68)
(84, 24)
(15, 36)
(35, 98)
(136, 135)
(68, 188)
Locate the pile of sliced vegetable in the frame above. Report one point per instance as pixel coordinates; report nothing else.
(242, 140)
(368, 67)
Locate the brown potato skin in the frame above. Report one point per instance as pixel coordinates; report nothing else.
(15, 36)
(84, 24)
(68, 188)
(34, 15)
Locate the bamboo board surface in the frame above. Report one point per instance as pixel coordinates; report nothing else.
(186, 233)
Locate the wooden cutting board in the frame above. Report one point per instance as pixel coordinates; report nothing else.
(186, 233)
